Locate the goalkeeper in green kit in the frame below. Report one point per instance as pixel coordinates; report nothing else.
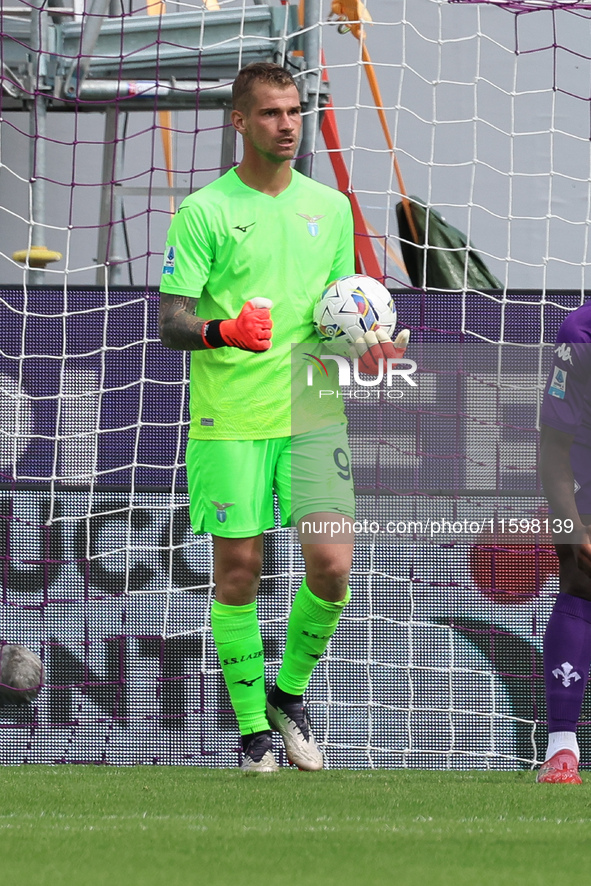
(246, 259)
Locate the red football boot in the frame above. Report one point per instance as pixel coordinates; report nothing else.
(561, 768)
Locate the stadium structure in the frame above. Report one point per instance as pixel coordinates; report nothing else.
(460, 131)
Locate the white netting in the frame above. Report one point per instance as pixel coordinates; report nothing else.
(438, 660)
(488, 110)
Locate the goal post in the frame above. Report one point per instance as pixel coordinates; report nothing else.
(437, 662)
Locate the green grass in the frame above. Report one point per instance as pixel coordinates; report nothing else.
(101, 826)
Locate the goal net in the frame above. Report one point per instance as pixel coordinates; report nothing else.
(109, 117)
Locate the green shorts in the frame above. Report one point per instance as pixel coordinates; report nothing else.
(231, 482)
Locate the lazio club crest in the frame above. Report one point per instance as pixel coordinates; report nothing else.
(220, 513)
(312, 220)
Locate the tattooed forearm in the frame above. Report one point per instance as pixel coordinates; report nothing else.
(178, 326)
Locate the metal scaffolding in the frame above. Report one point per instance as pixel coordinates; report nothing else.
(52, 61)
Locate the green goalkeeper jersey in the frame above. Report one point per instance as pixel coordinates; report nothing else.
(229, 243)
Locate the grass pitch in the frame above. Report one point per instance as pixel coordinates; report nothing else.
(167, 826)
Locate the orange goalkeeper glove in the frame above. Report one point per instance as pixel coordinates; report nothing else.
(376, 344)
(249, 331)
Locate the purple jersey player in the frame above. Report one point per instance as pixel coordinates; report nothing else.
(565, 468)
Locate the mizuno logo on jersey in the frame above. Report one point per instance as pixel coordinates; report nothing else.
(243, 228)
(312, 220)
(563, 353)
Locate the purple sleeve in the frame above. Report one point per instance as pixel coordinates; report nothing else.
(564, 402)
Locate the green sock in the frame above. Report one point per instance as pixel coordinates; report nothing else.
(312, 622)
(237, 637)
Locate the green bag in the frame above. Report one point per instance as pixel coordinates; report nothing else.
(452, 262)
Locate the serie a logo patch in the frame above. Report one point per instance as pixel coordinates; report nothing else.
(558, 384)
(169, 261)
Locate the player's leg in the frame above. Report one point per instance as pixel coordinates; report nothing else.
(315, 613)
(225, 479)
(327, 547)
(312, 623)
(237, 636)
(567, 658)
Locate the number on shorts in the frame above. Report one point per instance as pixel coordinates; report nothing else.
(341, 460)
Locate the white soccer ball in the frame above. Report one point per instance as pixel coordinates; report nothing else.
(351, 306)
